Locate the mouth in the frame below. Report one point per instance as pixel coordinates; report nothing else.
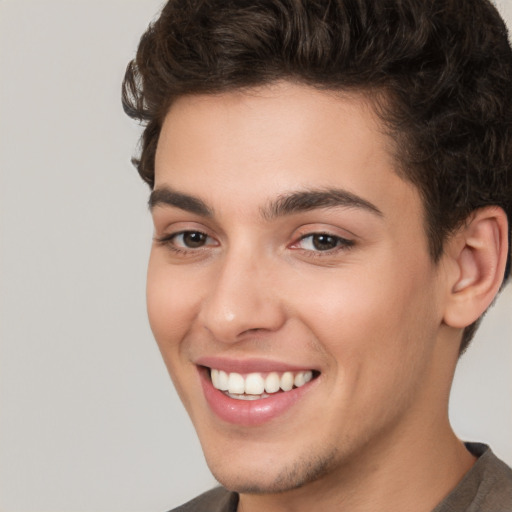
(258, 385)
(257, 393)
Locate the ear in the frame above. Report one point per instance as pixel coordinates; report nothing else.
(478, 254)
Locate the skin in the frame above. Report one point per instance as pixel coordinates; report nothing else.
(368, 315)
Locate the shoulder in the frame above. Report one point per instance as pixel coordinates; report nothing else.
(216, 500)
(487, 487)
(495, 483)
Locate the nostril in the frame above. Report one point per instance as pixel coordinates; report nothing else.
(253, 330)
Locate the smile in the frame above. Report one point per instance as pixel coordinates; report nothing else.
(255, 386)
(252, 393)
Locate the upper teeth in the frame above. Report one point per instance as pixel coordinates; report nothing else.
(256, 383)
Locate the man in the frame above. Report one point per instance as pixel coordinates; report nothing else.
(331, 194)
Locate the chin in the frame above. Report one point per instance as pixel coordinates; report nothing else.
(269, 478)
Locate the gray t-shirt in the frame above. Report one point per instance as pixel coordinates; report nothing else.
(486, 487)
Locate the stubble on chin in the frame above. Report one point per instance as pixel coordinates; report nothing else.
(306, 470)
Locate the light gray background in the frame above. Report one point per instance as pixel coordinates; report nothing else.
(89, 420)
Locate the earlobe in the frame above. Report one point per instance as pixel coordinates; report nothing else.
(479, 253)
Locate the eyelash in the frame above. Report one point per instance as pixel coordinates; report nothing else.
(342, 244)
(168, 241)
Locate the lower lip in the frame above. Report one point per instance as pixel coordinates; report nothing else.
(250, 412)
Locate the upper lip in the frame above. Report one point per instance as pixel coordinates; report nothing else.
(249, 365)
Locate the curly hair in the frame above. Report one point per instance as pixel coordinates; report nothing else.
(439, 73)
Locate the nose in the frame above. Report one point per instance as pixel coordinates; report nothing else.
(242, 298)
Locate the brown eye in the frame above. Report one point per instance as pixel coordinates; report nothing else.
(323, 242)
(191, 239)
(187, 242)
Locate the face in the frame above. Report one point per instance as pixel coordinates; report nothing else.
(290, 266)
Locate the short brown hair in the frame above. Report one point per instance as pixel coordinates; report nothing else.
(443, 66)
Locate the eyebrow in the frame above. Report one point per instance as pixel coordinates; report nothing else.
(286, 204)
(306, 200)
(166, 196)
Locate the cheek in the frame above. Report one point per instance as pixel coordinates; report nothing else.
(378, 335)
(171, 305)
(369, 315)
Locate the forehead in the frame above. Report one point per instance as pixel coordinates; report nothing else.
(230, 124)
(244, 146)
